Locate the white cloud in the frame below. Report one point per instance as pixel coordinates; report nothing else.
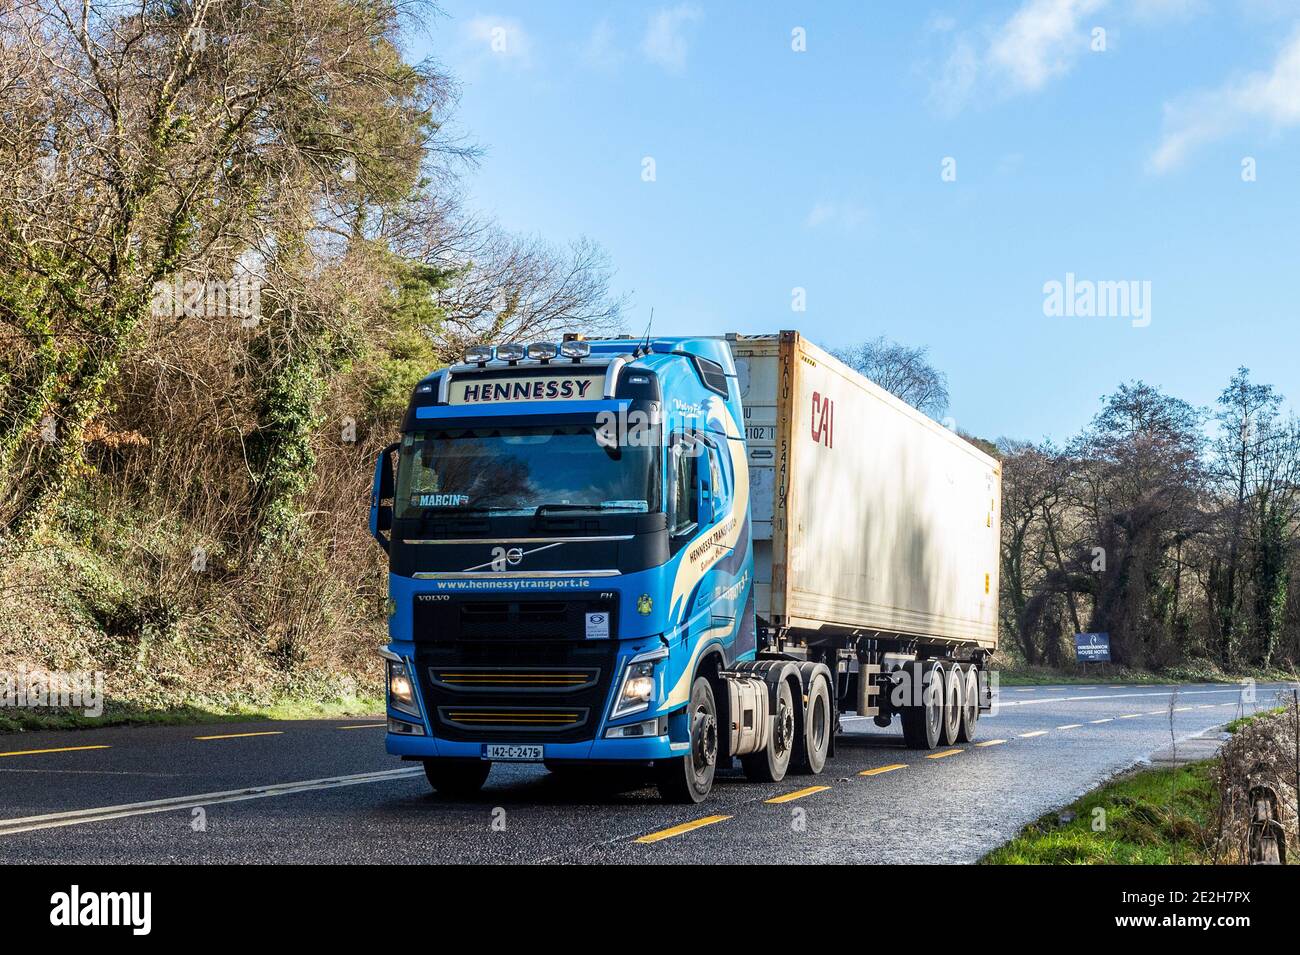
(848, 216)
(602, 49)
(1041, 41)
(1271, 97)
(502, 37)
(951, 89)
(665, 41)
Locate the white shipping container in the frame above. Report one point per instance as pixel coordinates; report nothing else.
(868, 516)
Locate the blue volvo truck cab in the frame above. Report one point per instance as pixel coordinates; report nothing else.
(572, 573)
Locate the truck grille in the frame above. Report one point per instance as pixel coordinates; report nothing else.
(514, 719)
(490, 667)
(557, 679)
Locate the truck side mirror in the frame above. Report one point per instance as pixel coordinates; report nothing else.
(383, 490)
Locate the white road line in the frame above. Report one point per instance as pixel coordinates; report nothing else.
(75, 817)
(1116, 696)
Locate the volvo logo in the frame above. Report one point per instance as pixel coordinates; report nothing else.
(503, 557)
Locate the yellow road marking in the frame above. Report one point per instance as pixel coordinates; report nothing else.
(61, 749)
(1109, 719)
(239, 735)
(683, 828)
(797, 794)
(946, 752)
(991, 742)
(1034, 733)
(363, 726)
(883, 769)
(1070, 726)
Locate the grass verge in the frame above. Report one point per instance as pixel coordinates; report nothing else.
(1104, 673)
(116, 714)
(1150, 817)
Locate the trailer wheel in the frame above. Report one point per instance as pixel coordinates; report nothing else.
(954, 697)
(970, 712)
(771, 764)
(923, 721)
(461, 778)
(815, 742)
(689, 778)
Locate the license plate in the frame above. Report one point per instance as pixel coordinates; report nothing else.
(511, 753)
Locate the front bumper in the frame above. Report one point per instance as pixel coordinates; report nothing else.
(597, 750)
(428, 743)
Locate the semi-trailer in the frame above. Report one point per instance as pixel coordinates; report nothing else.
(681, 553)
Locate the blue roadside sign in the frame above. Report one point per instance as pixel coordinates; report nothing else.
(1092, 647)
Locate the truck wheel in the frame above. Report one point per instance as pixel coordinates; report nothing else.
(923, 721)
(954, 696)
(815, 742)
(461, 778)
(970, 712)
(689, 778)
(771, 764)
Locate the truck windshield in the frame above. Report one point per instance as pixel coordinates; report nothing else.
(524, 471)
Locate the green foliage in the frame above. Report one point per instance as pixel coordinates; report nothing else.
(403, 351)
(280, 450)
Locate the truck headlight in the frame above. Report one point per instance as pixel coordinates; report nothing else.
(401, 694)
(636, 691)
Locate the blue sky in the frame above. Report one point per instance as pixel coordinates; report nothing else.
(822, 170)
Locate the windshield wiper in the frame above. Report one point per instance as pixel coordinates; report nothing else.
(545, 508)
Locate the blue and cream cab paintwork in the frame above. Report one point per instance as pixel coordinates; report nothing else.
(497, 620)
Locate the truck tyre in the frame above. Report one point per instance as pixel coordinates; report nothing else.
(954, 697)
(815, 741)
(688, 779)
(970, 712)
(923, 721)
(458, 778)
(770, 765)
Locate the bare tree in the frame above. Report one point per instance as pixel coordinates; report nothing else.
(522, 288)
(148, 141)
(902, 370)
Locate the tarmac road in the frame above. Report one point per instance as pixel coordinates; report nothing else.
(325, 792)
